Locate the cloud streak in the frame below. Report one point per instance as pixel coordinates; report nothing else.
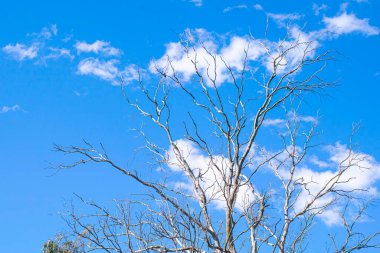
(97, 47)
(6, 109)
(236, 7)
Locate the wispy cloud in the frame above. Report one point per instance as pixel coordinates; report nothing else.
(274, 122)
(56, 52)
(291, 116)
(80, 93)
(230, 8)
(319, 8)
(46, 32)
(258, 7)
(198, 3)
(45, 45)
(5, 109)
(97, 47)
(21, 52)
(129, 74)
(284, 18)
(39, 46)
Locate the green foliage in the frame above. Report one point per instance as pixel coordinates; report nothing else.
(62, 245)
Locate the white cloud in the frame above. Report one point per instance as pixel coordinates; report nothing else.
(341, 24)
(348, 23)
(211, 52)
(360, 178)
(211, 174)
(98, 47)
(234, 54)
(39, 47)
(107, 70)
(6, 109)
(363, 173)
(303, 45)
(208, 49)
(331, 217)
(319, 8)
(206, 46)
(21, 52)
(230, 8)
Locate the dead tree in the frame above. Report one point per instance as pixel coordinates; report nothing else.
(219, 206)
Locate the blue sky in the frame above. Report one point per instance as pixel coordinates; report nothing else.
(60, 64)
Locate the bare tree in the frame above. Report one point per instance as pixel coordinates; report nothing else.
(219, 205)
